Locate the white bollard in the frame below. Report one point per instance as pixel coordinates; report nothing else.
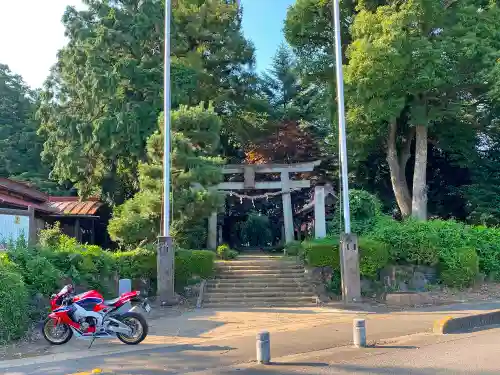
(124, 286)
(359, 333)
(263, 348)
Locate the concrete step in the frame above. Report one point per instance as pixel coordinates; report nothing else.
(263, 277)
(231, 287)
(258, 294)
(260, 299)
(275, 271)
(254, 304)
(272, 266)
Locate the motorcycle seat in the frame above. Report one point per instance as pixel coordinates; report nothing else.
(112, 302)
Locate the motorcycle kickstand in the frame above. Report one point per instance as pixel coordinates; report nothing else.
(93, 339)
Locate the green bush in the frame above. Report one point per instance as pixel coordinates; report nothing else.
(39, 274)
(256, 230)
(136, 264)
(365, 209)
(459, 268)
(190, 234)
(322, 252)
(373, 256)
(293, 248)
(409, 241)
(224, 252)
(13, 302)
(486, 241)
(193, 263)
(233, 254)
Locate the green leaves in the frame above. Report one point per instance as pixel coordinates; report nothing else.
(101, 103)
(195, 137)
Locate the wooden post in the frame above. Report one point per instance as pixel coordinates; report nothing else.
(92, 233)
(319, 212)
(77, 229)
(31, 226)
(212, 231)
(287, 207)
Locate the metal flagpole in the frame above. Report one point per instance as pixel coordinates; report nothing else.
(349, 257)
(341, 110)
(166, 129)
(165, 257)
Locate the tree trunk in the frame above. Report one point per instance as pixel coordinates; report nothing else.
(397, 167)
(419, 202)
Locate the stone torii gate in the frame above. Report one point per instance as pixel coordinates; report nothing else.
(286, 186)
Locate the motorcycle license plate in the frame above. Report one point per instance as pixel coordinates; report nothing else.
(147, 307)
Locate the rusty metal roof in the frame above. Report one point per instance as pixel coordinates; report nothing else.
(74, 207)
(4, 198)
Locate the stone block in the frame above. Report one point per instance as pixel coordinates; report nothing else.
(407, 299)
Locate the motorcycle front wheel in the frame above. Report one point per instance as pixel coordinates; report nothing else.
(56, 334)
(138, 325)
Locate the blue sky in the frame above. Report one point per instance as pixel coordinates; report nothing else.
(263, 24)
(32, 33)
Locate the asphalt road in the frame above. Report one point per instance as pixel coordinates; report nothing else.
(322, 349)
(475, 353)
(184, 358)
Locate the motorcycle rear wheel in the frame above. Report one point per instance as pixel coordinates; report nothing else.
(56, 334)
(139, 328)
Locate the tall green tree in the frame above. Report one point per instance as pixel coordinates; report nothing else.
(195, 139)
(20, 146)
(101, 102)
(411, 66)
(290, 98)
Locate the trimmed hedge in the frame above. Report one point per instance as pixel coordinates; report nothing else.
(43, 267)
(373, 254)
(441, 243)
(322, 253)
(190, 264)
(293, 248)
(460, 268)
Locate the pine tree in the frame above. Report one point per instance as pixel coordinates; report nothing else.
(195, 138)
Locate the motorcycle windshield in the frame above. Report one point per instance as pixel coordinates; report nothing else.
(64, 291)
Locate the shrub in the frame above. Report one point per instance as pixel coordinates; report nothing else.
(322, 252)
(293, 248)
(191, 234)
(136, 264)
(233, 254)
(365, 209)
(410, 241)
(486, 241)
(223, 251)
(193, 263)
(374, 255)
(255, 230)
(13, 303)
(334, 285)
(39, 274)
(460, 268)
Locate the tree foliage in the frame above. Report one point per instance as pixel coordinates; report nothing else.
(103, 97)
(20, 146)
(195, 138)
(420, 76)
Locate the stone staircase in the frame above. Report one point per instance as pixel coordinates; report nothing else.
(258, 281)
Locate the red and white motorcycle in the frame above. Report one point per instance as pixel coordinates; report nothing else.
(89, 316)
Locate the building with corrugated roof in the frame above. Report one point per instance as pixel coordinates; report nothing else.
(25, 210)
